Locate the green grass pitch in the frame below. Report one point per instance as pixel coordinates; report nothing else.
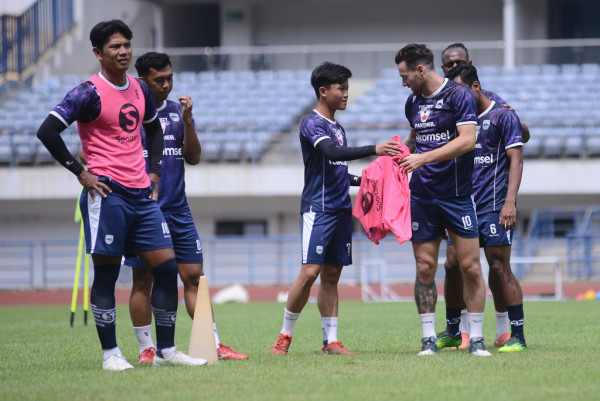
(42, 358)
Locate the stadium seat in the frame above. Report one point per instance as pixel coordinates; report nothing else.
(592, 145)
(533, 148)
(574, 146)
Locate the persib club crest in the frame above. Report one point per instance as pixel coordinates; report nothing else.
(339, 136)
(424, 111)
(486, 124)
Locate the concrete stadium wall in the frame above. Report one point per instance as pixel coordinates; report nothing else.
(38, 203)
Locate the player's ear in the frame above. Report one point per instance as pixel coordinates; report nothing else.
(323, 91)
(97, 53)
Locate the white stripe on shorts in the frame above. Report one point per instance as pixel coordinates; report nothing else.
(94, 217)
(308, 220)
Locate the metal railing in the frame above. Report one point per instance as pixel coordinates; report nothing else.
(261, 260)
(27, 37)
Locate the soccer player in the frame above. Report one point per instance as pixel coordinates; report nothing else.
(325, 207)
(119, 213)
(457, 54)
(454, 55)
(442, 116)
(498, 166)
(180, 143)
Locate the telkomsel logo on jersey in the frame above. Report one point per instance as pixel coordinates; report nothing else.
(129, 118)
(435, 137)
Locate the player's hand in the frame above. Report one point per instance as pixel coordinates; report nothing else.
(389, 148)
(412, 162)
(90, 182)
(508, 107)
(508, 216)
(186, 102)
(155, 179)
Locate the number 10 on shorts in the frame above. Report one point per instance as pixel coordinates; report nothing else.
(467, 223)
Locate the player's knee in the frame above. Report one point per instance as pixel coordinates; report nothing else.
(308, 275)
(168, 268)
(451, 265)
(142, 280)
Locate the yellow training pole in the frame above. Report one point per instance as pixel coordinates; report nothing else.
(86, 283)
(77, 270)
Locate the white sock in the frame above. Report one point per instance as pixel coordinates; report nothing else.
(217, 341)
(109, 352)
(329, 325)
(502, 323)
(475, 324)
(428, 324)
(289, 321)
(144, 337)
(167, 352)
(464, 322)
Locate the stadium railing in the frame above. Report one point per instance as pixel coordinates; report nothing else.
(571, 232)
(27, 37)
(247, 260)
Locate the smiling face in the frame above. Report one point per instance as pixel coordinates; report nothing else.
(160, 83)
(115, 55)
(453, 57)
(412, 79)
(335, 96)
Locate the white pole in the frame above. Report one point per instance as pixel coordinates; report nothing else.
(509, 26)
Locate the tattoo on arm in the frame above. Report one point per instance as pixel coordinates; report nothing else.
(425, 296)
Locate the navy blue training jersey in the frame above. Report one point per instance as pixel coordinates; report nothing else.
(498, 129)
(435, 119)
(493, 96)
(171, 188)
(326, 183)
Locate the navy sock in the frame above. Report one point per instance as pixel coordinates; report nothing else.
(102, 300)
(453, 320)
(164, 303)
(516, 317)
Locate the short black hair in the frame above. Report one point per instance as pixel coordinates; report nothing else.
(103, 30)
(328, 73)
(466, 72)
(454, 45)
(414, 54)
(154, 60)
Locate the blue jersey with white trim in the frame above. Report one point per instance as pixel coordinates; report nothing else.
(493, 96)
(435, 119)
(171, 188)
(326, 183)
(498, 129)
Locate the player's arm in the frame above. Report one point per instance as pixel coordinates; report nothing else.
(508, 214)
(525, 133)
(191, 145)
(463, 143)
(49, 133)
(409, 140)
(339, 153)
(154, 146)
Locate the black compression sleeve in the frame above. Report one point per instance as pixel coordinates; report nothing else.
(354, 180)
(335, 153)
(49, 134)
(154, 145)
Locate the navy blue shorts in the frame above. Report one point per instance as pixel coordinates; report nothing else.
(430, 217)
(327, 238)
(491, 232)
(186, 242)
(121, 224)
